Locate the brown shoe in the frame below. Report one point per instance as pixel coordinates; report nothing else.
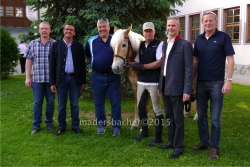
(213, 153)
(200, 146)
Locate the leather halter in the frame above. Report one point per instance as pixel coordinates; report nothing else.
(127, 56)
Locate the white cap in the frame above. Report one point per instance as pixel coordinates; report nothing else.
(148, 25)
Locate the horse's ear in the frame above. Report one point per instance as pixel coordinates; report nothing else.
(128, 30)
(115, 29)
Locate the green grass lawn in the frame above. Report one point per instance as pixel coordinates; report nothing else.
(20, 148)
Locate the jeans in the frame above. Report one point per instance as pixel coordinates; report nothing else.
(100, 86)
(209, 90)
(69, 88)
(41, 90)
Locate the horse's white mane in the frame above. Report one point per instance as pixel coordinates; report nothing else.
(134, 38)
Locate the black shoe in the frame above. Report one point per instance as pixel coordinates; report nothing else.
(59, 132)
(77, 131)
(176, 154)
(142, 135)
(154, 142)
(50, 127)
(34, 131)
(166, 146)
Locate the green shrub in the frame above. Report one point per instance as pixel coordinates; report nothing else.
(9, 54)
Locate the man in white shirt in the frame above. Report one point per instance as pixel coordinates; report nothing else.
(22, 49)
(148, 63)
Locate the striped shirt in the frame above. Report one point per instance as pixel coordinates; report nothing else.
(39, 54)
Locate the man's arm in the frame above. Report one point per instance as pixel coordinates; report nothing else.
(52, 65)
(153, 65)
(188, 80)
(195, 66)
(28, 67)
(230, 66)
(227, 87)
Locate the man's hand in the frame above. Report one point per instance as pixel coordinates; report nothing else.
(137, 66)
(185, 97)
(227, 87)
(53, 88)
(28, 82)
(83, 87)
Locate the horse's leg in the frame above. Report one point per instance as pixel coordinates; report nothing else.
(136, 119)
(132, 76)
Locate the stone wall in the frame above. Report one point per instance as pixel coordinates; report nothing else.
(240, 69)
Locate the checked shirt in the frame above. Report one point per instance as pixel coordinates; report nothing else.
(39, 54)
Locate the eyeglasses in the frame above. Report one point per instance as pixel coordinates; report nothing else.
(43, 29)
(67, 29)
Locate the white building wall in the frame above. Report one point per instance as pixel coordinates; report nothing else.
(191, 7)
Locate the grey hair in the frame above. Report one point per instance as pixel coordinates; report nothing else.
(206, 13)
(102, 20)
(174, 18)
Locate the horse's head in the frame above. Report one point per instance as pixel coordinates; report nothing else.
(125, 44)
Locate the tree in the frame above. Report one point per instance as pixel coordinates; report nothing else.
(85, 13)
(9, 54)
(121, 13)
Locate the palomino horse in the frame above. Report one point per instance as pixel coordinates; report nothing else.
(125, 44)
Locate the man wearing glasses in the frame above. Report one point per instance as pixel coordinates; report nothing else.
(37, 55)
(103, 79)
(67, 76)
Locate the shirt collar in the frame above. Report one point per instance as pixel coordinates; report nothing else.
(174, 39)
(204, 36)
(66, 42)
(50, 39)
(100, 39)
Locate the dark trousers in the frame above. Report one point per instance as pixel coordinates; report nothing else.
(71, 89)
(22, 63)
(173, 106)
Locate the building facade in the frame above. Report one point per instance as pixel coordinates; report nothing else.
(233, 18)
(13, 17)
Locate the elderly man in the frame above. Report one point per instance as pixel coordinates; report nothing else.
(148, 63)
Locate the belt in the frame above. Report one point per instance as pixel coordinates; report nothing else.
(103, 74)
(69, 74)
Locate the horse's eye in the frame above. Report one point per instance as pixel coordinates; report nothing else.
(124, 45)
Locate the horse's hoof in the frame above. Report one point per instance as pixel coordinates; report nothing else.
(195, 117)
(133, 127)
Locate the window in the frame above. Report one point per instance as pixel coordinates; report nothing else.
(19, 12)
(1, 11)
(248, 25)
(9, 12)
(195, 27)
(216, 12)
(233, 23)
(182, 27)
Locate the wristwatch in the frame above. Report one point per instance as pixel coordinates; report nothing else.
(229, 79)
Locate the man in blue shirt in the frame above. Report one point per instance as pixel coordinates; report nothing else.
(103, 80)
(211, 49)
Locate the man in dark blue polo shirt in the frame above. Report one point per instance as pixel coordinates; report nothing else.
(103, 80)
(211, 49)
